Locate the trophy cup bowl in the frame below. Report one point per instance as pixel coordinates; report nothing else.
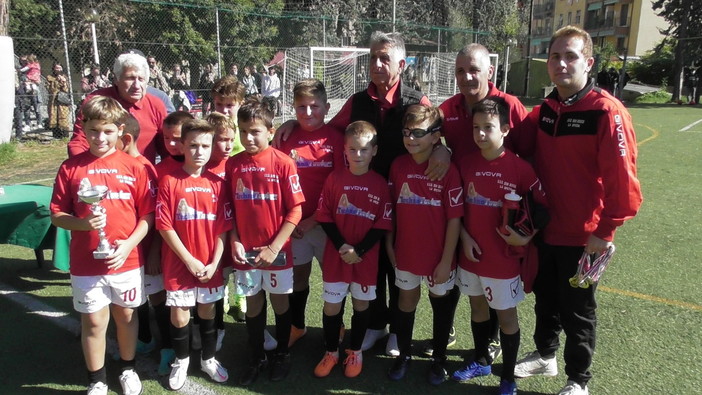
(93, 195)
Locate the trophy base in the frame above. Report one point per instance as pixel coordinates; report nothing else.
(102, 254)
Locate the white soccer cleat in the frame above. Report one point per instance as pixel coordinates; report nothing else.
(573, 388)
(534, 365)
(179, 372)
(131, 385)
(215, 370)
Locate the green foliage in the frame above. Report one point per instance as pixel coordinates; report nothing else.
(8, 152)
(656, 65)
(658, 97)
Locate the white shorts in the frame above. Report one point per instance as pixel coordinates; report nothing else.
(336, 292)
(501, 294)
(407, 281)
(92, 293)
(153, 283)
(311, 245)
(250, 282)
(188, 297)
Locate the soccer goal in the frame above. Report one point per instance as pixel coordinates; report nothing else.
(342, 70)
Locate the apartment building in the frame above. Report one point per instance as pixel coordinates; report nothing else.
(631, 26)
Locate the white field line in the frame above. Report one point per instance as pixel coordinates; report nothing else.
(36, 181)
(146, 367)
(686, 128)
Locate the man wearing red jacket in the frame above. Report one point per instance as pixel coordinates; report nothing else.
(586, 160)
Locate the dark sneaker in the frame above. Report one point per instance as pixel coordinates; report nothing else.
(508, 387)
(494, 349)
(251, 373)
(399, 367)
(437, 372)
(429, 349)
(280, 366)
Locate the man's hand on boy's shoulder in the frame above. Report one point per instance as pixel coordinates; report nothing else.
(283, 132)
(439, 163)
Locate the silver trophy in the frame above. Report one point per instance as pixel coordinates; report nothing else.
(93, 195)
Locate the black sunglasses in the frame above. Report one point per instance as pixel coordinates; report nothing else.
(419, 133)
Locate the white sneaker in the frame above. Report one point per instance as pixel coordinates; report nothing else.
(269, 342)
(372, 336)
(98, 388)
(573, 388)
(534, 365)
(220, 339)
(391, 348)
(215, 370)
(195, 340)
(131, 385)
(179, 373)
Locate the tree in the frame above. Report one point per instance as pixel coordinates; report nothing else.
(4, 16)
(685, 18)
(656, 67)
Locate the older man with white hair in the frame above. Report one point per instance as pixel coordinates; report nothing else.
(131, 77)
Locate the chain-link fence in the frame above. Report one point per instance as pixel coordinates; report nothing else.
(189, 44)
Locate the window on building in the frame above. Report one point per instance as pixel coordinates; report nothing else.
(577, 17)
(620, 44)
(570, 17)
(560, 21)
(624, 15)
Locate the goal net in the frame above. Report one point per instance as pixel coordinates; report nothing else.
(343, 71)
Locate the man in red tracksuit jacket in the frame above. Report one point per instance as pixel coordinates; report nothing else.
(586, 160)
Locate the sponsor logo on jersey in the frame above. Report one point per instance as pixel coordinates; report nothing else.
(346, 208)
(408, 197)
(295, 183)
(456, 197)
(187, 213)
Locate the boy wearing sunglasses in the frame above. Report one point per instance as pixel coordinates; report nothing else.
(428, 213)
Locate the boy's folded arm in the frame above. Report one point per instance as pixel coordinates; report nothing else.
(373, 236)
(333, 234)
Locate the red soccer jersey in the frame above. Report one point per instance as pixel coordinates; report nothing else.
(317, 154)
(168, 165)
(485, 184)
(355, 204)
(458, 126)
(149, 111)
(145, 244)
(217, 168)
(199, 210)
(264, 188)
(422, 210)
(128, 200)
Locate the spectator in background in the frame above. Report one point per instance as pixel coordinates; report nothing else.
(691, 80)
(156, 77)
(94, 80)
(604, 81)
(31, 78)
(258, 76)
(234, 70)
(182, 99)
(59, 105)
(270, 86)
(206, 83)
(249, 81)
